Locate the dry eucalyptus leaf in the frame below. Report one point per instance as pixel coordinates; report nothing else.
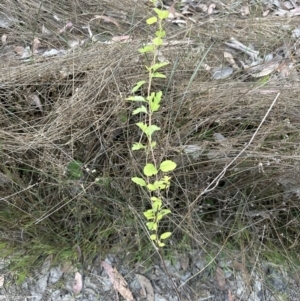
(118, 281)
(203, 7)
(3, 39)
(3, 179)
(147, 289)
(78, 283)
(68, 25)
(211, 9)
(35, 45)
(45, 30)
(245, 11)
(1, 280)
(184, 262)
(238, 266)
(220, 278)
(194, 150)
(263, 69)
(222, 72)
(121, 39)
(6, 21)
(19, 50)
(107, 19)
(173, 14)
(287, 5)
(294, 12)
(35, 101)
(228, 56)
(67, 267)
(230, 296)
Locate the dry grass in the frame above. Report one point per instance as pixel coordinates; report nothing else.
(254, 209)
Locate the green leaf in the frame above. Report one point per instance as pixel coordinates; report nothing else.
(151, 129)
(163, 183)
(154, 198)
(147, 48)
(153, 144)
(149, 214)
(159, 65)
(151, 187)
(157, 41)
(152, 226)
(138, 146)
(161, 244)
(160, 33)
(141, 109)
(162, 213)
(167, 166)
(154, 102)
(143, 127)
(162, 14)
(137, 86)
(153, 237)
(156, 205)
(165, 235)
(150, 170)
(160, 185)
(151, 96)
(138, 181)
(151, 20)
(74, 170)
(136, 98)
(158, 75)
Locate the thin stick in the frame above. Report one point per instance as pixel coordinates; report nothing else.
(216, 181)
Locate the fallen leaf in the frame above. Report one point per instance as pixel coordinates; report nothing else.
(220, 278)
(285, 68)
(296, 277)
(172, 13)
(230, 296)
(222, 72)
(3, 39)
(121, 39)
(147, 289)
(263, 69)
(107, 19)
(35, 101)
(35, 45)
(19, 50)
(228, 56)
(245, 11)
(203, 7)
(68, 25)
(294, 12)
(118, 281)
(211, 9)
(1, 280)
(238, 266)
(78, 283)
(45, 30)
(67, 267)
(184, 262)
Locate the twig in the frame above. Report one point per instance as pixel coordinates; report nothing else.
(239, 46)
(216, 181)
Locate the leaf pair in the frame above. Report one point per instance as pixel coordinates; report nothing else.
(165, 166)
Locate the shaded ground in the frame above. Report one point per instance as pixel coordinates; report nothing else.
(66, 134)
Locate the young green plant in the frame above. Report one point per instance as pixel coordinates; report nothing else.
(156, 178)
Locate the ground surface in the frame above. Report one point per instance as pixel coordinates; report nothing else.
(229, 119)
